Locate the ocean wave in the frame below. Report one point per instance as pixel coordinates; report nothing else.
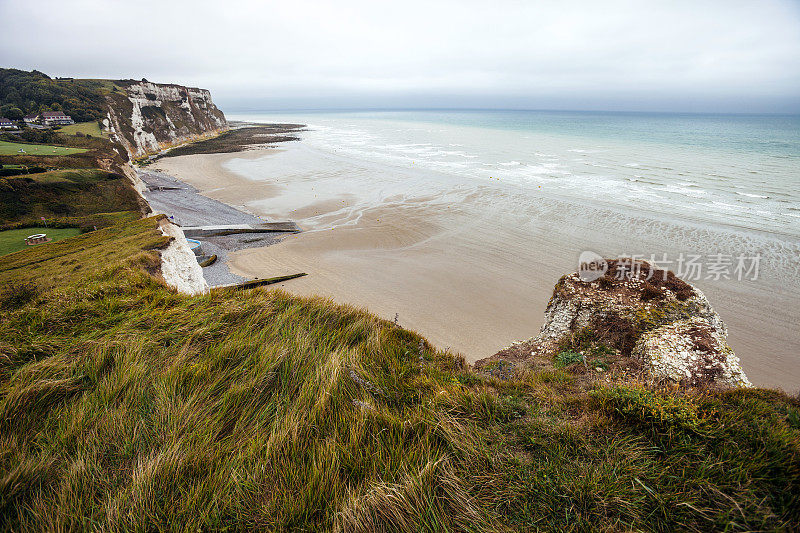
(750, 195)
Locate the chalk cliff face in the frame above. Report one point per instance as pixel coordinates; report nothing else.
(147, 117)
(179, 266)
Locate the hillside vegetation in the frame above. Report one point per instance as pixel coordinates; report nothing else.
(66, 193)
(11, 148)
(91, 129)
(23, 93)
(127, 406)
(73, 152)
(13, 240)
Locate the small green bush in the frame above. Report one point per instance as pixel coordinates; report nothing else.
(651, 408)
(567, 357)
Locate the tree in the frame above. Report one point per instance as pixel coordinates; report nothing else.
(11, 111)
(34, 92)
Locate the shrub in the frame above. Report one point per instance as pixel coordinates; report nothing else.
(651, 408)
(567, 357)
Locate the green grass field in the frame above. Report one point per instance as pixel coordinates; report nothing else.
(14, 240)
(7, 148)
(126, 406)
(87, 128)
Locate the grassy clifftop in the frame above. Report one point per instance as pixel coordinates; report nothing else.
(127, 406)
(24, 93)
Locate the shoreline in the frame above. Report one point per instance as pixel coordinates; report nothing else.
(187, 207)
(442, 268)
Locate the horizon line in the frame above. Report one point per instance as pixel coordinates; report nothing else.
(506, 109)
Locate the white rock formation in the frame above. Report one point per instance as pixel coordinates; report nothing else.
(664, 322)
(691, 351)
(179, 267)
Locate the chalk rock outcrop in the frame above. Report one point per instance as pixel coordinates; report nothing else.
(690, 350)
(179, 266)
(145, 117)
(639, 312)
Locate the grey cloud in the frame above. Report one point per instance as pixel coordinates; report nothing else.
(701, 55)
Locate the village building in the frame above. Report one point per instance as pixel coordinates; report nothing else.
(55, 118)
(30, 119)
(7, 124)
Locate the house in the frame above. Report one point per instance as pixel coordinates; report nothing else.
(53, 118)
(30, 119)
(6, 124)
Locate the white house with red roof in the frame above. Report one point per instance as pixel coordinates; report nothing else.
(55, 118)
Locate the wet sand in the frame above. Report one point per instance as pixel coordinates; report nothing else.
(466, 276)
(207, 174)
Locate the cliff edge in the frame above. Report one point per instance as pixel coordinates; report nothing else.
(144, 117)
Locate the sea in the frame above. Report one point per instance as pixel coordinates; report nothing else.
(714, 197)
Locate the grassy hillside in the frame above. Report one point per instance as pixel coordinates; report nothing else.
(83, 128)
(64, 193)
(126, 406)
(72, 151)
(69, 261)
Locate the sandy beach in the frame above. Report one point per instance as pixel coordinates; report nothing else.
(470, 276)
(401, 260)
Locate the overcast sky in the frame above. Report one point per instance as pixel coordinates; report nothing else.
(700, 55)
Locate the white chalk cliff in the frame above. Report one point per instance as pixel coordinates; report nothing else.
(179, 266)
(145, 117)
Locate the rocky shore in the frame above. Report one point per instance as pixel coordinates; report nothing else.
(185, 206)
